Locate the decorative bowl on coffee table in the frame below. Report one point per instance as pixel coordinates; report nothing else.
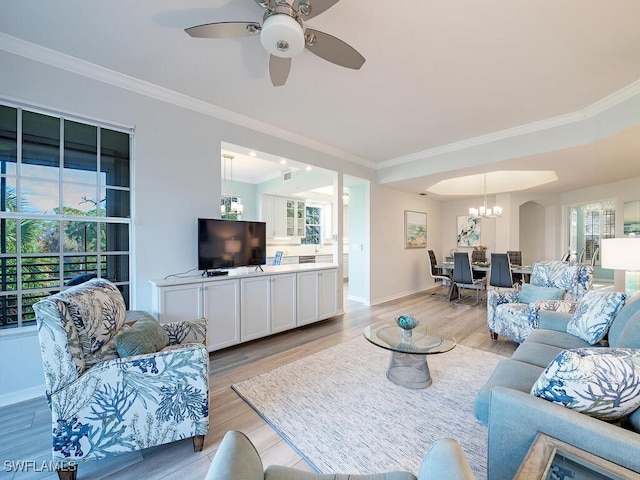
(407, 322)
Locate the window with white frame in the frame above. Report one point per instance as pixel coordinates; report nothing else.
(589, 224)
(65, 207)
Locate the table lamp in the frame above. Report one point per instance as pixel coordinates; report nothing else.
(621, 254)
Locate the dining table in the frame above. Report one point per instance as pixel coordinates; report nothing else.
(447, 269)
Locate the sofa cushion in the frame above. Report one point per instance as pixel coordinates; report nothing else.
(625, 329)
(537, 354)
(553, 320)
(533, 293)
(145, 336)
(562, 340)
(602, 382)
(594, 315)
(508, 373)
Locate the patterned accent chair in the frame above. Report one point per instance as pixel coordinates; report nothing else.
(104, 405)
(514, 320)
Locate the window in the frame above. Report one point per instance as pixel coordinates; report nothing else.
(312, 226)
(589, 224)
(65, 208)
(231, 207)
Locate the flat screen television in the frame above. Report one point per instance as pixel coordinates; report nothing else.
(224, 244)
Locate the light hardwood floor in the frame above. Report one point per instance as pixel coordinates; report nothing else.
(25, 428)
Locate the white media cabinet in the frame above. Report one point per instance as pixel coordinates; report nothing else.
(248, 304)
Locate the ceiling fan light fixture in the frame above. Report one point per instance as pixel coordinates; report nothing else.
(282, 36)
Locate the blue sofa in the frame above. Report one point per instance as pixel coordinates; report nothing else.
(514, 416)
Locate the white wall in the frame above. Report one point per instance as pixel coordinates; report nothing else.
(533, 232)
(396, 271)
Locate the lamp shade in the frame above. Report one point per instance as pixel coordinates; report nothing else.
(621, 253)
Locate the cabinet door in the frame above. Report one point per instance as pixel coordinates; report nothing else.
(327, 293)
(179, 302)
(283, 302)
(267, 215)
(279, 217)
(291, 217)
(301, 213)
(255, 308)
(307, 297)
(222, 310)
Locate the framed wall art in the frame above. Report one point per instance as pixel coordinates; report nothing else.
(468, 231)
(415, 229)
(631, 217)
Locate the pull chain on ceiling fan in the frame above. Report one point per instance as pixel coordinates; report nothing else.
(284, 36)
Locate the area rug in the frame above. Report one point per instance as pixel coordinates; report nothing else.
(338, 410)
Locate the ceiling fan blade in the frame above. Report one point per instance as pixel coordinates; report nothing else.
(333, 49)
(315, 7)
(279, 70)
(224, 30)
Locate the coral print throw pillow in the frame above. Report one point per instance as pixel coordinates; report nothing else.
(600, 382)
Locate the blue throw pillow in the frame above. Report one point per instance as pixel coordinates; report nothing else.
(533, 293)
(594, 315)
(600, 382)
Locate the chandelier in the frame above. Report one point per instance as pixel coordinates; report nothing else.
(229, 202)
(482, 210)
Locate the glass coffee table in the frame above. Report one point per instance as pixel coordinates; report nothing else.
(409, 350)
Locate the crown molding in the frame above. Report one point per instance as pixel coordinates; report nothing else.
(590, 111)
(78, 66)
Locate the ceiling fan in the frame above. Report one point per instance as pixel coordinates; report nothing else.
(284, 35)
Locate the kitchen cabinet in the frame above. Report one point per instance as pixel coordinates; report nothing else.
(267, 305)
(284, 216)
(317, 295)
(283, 302)
(218, 302)
(243, 307)
(255, 308)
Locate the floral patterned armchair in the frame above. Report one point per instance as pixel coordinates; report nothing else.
(508, 317)
(104, 405)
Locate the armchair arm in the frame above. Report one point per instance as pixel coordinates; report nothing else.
(496, 297)
(516, 417)
(188, 331)
(445, 459)
(560, 306)
(236, 458)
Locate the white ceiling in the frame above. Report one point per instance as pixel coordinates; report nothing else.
(437, 72)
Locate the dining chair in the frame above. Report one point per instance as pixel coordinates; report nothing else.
(479, 256)
(594, 256)
(566, 257)
(463, 278)
(515, 258)
(582, 254)
(437, 275)
(500, 274)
